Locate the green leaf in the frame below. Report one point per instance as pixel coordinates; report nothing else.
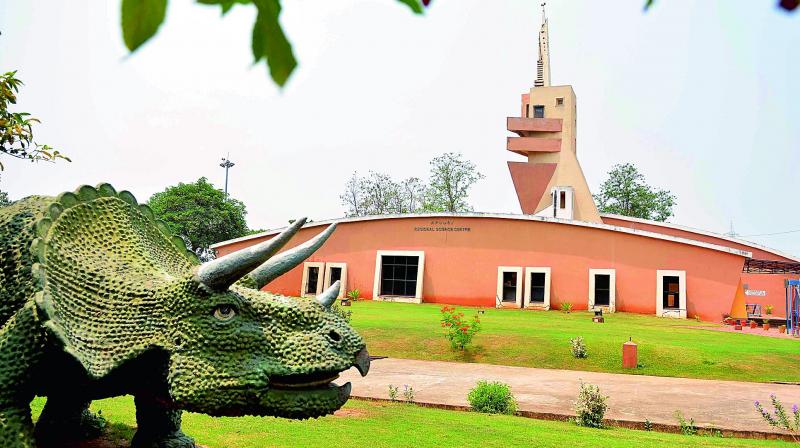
(140, 20)
(648, 4)
(226, 5)
(270, 43)
(415, 5)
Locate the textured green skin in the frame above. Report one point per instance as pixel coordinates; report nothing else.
(97, 300)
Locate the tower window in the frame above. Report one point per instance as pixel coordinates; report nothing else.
(559, 101)
(562, 199)
(538, 111)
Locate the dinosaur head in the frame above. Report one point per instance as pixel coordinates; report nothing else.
(237, 350)
(244, 351)
(115, 285)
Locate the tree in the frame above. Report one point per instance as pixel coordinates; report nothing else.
(380, 194)
(16, 128)
(411, 196)
(200, 214)
(4, 200)
(352, 197)
(625, 192)
(451, 177)
(141, 20)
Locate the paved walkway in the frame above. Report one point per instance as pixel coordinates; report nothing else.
(722, 404)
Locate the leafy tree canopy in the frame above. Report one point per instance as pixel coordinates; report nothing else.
(16, 128)
(200, 214)
(451, 178)
(625, 192)
(142, 18)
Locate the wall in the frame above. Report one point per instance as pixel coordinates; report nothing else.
(461, 266)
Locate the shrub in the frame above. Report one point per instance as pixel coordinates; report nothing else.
(492, 398)
(779, 418)
(408, 393)
(688, 428)
(590, 407)
(578, 347)
(566, 307)
(457, 331)
(354, 294)
(393, 392)
(341, 312)
(768, 309)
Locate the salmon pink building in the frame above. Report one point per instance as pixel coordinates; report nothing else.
(559, 250)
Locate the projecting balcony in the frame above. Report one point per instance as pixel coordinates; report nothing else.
(526, 145)
(519, 125)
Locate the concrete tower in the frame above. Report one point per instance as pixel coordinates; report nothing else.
(551, 182)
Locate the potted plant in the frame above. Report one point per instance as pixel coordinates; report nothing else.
(351, 295)
(782, 329)
(727, 319)
(766, 324)
(768, 309)
(753, 324)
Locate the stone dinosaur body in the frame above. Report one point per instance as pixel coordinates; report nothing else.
(98, 300)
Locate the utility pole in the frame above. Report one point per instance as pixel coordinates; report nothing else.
(227, 164)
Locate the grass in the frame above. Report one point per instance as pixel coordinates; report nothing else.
(401, 425)
(667, 347)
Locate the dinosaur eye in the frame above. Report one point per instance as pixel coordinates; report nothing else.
(224, 312)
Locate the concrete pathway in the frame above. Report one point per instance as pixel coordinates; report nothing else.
(632, 398)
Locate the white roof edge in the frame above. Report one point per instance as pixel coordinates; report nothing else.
(609, 227)
(701, 232)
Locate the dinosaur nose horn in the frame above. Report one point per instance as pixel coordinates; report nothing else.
(221, 273)
(282, 263)
(362, 361)
(329, 296)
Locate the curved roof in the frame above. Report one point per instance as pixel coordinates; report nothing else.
(607, 227)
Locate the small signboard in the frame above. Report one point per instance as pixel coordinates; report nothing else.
(755, 292)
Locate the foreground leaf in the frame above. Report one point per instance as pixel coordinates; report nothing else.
(270, 43)
(140, 20)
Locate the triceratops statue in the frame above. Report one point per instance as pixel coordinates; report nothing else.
(97, 299)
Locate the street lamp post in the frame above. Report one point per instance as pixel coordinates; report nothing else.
(227, 164)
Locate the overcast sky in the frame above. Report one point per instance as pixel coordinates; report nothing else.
(702, 96)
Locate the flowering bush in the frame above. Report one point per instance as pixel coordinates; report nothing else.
(492, 398)
(578, 347)
(458, 331)
(779, 418)
(590, 407)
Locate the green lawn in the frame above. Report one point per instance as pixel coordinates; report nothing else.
(398, 425)
(667, 347)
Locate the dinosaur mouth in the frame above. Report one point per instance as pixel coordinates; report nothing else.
(309, 381)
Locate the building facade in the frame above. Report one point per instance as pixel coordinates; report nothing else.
(559, 250)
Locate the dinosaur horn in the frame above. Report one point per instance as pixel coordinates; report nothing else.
(329, 296)
(279, 265)
(221, 273)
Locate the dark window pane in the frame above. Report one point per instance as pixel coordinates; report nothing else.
(537, 286)
(399, 275)
(336, 275)
(602, 292)
(538, 111)
(602, 281)
(671, 285)
(509, 286)
(311, 286)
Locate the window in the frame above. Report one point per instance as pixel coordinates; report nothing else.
(538, 111)
(671, 293)
(527, 111)
(602, 284)
(509, 286)
(559, 101)
(537, 286)
(312, 278)
(334, 272)
(602, 289)
(398, 276)
(562, 199)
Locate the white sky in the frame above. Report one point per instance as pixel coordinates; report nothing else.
(702, 96)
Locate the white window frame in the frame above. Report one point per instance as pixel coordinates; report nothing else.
(529, 293)
(612, 289)
(680, 313)
(499, 297)
(376, 283)
(320, 273)
(342, 282)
